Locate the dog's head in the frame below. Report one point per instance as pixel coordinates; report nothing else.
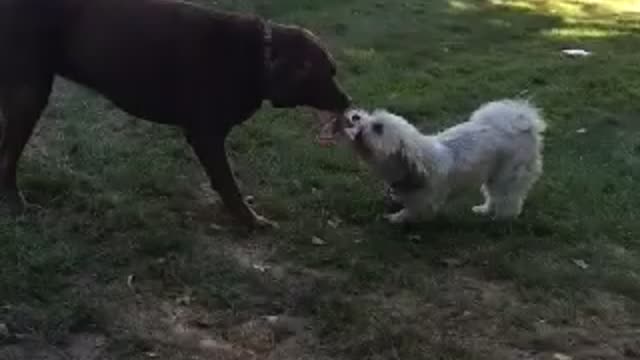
(379, 133)
(302, 72)
(381, 136)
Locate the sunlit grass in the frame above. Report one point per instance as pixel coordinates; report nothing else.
(582, 19)
(582, 33)
(575, 9)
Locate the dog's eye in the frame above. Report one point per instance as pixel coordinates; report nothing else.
(356, 117)
(377, 128)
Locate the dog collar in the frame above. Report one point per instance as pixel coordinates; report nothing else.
(267, 43)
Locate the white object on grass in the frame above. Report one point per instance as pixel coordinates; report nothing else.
(576, 52)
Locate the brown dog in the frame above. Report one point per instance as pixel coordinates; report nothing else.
(161, 60)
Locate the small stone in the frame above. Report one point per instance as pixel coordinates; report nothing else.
(581, 131)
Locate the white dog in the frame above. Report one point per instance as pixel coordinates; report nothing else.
(499, 150)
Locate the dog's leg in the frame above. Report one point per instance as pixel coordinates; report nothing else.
(510, 189)
(21, 107)
(419, 205)
(508, 207)
(401, 217)
(212, 155)
(487, 207)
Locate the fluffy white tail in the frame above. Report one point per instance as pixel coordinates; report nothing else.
(510, 115)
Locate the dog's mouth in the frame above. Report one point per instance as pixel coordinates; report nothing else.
(331, 124)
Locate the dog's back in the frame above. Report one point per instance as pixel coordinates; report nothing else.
(150, 57)
(511, 116)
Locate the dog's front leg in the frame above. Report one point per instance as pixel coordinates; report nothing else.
(212, 155)
(414, 208)
(419, 205)
(401, 217)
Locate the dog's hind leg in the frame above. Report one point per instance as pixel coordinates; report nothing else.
(510, 188)
(21, 106)
(488, 207)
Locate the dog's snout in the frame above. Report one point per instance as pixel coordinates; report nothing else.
(358, 136)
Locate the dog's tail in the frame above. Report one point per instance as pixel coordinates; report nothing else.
(511, 115)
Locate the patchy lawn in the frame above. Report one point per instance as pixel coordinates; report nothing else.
(129, 256)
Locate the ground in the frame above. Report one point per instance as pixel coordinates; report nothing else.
(127, 255)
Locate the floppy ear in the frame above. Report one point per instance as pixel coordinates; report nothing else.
(411, 157)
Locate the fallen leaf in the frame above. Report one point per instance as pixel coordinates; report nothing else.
(216, 227)
(559, 356)
(130, 280)
(184, 300)
(334, 222)
(581, 131)
(414, 237)
(581, 264)
(317, 241)
(261, 268)
(451, 262)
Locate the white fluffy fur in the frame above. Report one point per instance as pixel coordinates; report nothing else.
(499, 150)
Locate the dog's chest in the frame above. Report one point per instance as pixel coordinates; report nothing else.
(399, 175)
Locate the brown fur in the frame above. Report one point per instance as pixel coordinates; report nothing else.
(161, 60)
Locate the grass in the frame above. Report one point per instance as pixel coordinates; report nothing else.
(120, 196)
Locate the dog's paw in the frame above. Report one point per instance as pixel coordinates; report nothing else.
(400, 217)
(12, 203)
(262, 222)
(481, 209)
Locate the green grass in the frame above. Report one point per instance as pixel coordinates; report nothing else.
(122, 197)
